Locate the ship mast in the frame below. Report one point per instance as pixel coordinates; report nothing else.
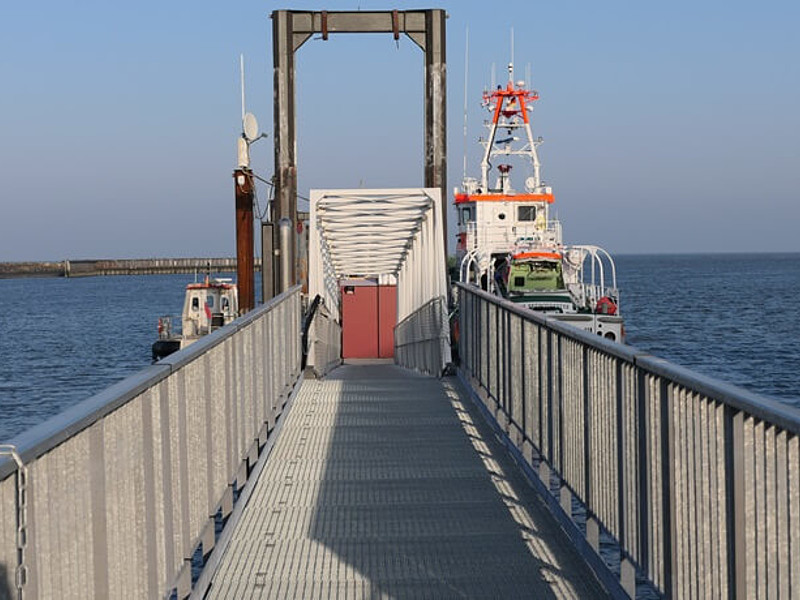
(510, 108)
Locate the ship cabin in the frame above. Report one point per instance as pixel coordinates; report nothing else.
(500, 220)
(208, 306)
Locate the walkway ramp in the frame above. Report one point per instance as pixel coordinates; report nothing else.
(388, 484)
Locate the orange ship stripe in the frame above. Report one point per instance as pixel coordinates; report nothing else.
(460, 198)
(553, 255)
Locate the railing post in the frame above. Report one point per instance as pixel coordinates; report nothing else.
(543, 370)
(587, 432)
(497, 372)
(550, 368)
(734, 504)
(523, 383)
(559, 367)
(667, 428)
(624, 438)
(643, 469)
(507, 368)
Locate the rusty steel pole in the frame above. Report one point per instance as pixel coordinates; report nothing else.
(245, 264)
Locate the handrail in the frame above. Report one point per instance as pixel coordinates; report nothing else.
(697, 481)
(322, 341)
(134, 479)
(422, 339)
(760, 405)
(39, 439)
(308, 318)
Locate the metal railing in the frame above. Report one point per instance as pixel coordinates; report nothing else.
(122, 488)
(697, 481)
(325, 352)
(422, 340)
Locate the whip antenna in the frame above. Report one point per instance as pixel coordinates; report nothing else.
(241, 78)
(466, 81)
(249, 127)
(511, 64)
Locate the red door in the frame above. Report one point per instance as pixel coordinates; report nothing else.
(387, 319)
(369, 314)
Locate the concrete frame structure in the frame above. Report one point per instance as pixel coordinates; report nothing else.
(291, 29)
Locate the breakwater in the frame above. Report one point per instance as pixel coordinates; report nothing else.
(127, 266)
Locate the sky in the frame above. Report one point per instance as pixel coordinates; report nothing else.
(669, 127)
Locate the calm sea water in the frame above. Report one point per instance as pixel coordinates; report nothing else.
(733, 317)
(62, 340)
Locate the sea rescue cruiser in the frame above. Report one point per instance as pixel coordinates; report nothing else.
(509, 244)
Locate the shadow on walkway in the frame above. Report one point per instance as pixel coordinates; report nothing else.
(387, 484)
(419, 498)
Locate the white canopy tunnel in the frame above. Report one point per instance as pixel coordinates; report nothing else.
(379, 233)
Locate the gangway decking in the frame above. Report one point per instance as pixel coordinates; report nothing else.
(389, 484)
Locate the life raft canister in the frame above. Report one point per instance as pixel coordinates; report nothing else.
(605, 306)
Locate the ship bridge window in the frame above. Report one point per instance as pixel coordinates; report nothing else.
(225, 304)
(466, 215)
(195, 303)
(526, 213)
(210, 301)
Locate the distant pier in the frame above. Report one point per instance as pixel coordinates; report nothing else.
(127, 266)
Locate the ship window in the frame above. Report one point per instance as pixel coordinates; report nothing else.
(526, 213)
(225, 304)
(195, 303)
(466, 216)
(210, 301)
(501, 216)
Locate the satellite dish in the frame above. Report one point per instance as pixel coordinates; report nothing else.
(530, 184)
(250, 127)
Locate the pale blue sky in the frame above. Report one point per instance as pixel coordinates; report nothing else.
(669, 127)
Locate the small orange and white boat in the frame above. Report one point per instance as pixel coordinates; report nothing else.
(207, 306)
(508, 243)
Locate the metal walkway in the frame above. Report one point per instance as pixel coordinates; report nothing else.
(385, 483)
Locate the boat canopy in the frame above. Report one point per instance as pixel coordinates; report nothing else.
(535, 276)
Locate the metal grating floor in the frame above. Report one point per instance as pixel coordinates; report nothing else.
(387, 484)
